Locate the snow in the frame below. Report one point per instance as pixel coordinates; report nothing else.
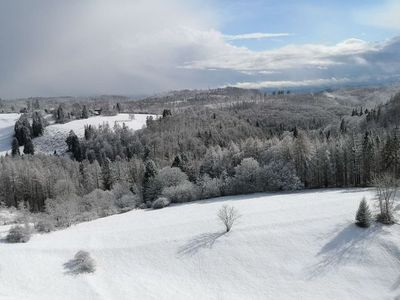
(286, 246)
(7, 122)
(55, 135)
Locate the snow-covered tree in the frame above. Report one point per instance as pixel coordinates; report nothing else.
(363, 216)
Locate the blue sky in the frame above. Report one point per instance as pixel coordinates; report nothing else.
(308, 21)
(135, 47)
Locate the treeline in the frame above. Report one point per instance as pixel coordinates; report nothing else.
(200, 153)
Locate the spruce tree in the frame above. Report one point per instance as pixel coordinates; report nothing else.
(363, 216)
(37, 125)
(85, 113)
(149, 174)
(28, 148)
(15, 147)
(106, 174)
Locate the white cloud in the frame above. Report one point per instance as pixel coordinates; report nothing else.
(145, 46)
(226, 56)
(254, 36)
(290, 84)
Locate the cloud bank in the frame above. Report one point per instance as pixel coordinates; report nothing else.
(136, 47)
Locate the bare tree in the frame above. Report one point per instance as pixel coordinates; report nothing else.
(386, 189)
(228, 215)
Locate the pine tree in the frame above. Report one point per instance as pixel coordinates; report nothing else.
(85, 113)
(363, 216)
(28, 148)
(15, 147)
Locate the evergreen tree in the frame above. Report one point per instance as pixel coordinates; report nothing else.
(85, 113)
(60, 117)
(149, 174)
(15, 147)
(74, 145)
(37, 124)
(28, 148)
(106, 174)
(363, 216)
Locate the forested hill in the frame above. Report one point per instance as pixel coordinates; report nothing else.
(334, 101)
(218, 142)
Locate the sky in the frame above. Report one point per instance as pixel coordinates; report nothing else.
(142, 47)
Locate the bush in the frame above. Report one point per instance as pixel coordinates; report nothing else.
(142, 206)
(98, 202)
(63, 209)
(81, 263)
(184, 192)
(160, 203)
(45, 225)
(19, 234)
(126, 202)
(385, 218)
(363, 216)
(149, 204)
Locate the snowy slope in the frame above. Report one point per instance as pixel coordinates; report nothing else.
(7, 122)
(286, 246)
(54, 135)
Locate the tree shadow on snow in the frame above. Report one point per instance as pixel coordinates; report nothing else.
(201, 241)
(348, 244)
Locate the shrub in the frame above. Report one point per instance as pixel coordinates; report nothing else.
(99, 202)
(63, 209)
(81, 263)
(184, 192)
(142, 206)
(149, 204)
(19, 234)
(45, 225)
(160, 203)
(363, 216)
(126, 202)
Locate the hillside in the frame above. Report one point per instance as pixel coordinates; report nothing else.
(286, 246)
(54, 135)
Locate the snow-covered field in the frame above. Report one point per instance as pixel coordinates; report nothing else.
(287, 246)
(7, 122)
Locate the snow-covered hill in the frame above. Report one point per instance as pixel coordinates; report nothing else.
(286, 246)
(7, 122)
(55, 135)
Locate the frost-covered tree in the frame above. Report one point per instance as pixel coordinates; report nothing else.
(386, 189)
(247, 176)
